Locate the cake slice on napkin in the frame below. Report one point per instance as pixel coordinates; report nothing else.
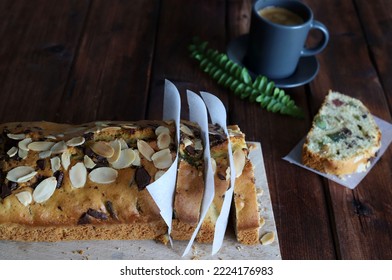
(344, 137)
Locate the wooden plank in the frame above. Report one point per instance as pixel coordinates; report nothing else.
(179, 22)
(300, 205)
(111, 74)
(376, 21)
(362, 216)
(39, 42)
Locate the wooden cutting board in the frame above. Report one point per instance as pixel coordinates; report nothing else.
(148, 249)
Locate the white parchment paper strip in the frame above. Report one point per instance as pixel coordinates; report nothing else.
(218, 115)
(295, 157)
(198, 114)
(162, 190)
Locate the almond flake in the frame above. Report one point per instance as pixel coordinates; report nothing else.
(24, 197)
(159, 174)
(267, 238)
(59, 148)
(22, 153)
(162, 159)
(198, 145)
(228, 172)
(187, 142)
(123, 144)
(103, 149)
(234, 132)
(78, 175)
(110, 129)
(88, 162)
(163, 140)
(13, 151)
(76, 141)
(145, 149)
(23, 144)
(239, 162)
(66, 159)
(21, 174)
(186, 130)
(125, 159)
(55, 164)
(103, 175)
(161, 129)
(52, 137)
(19, 136)
(45, 190)
(40, 146)
(45, 154)
(27, 177)
(213, 164)
(136, 162)
(129, 126)
(116, 145)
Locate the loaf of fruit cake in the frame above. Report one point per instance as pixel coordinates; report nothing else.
(75, 182)
(344, 137)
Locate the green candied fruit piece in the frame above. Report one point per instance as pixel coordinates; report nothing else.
(342, 134)
(320, 122)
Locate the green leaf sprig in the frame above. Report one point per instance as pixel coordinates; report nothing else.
(236, 78)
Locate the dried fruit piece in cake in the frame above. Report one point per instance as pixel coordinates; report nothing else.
(343, 138)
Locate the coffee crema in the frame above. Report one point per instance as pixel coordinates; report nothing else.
(280, 16)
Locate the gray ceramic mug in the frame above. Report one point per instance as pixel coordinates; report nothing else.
(274, 49)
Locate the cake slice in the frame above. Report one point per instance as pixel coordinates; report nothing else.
(190, 182)
(344, 137)
(221, 169)
(245, 208)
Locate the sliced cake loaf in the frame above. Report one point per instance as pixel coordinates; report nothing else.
(343, 138)
(190, 182)
(80, 182)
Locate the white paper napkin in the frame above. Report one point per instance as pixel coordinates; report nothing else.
(351, 181)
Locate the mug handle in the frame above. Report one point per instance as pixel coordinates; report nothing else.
(322, 44)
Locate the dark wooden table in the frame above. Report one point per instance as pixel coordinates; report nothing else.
(78, 61)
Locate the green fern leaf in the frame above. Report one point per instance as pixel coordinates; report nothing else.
(237, 79)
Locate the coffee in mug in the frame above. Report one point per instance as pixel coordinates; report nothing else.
(276, 45)
(280, 16)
